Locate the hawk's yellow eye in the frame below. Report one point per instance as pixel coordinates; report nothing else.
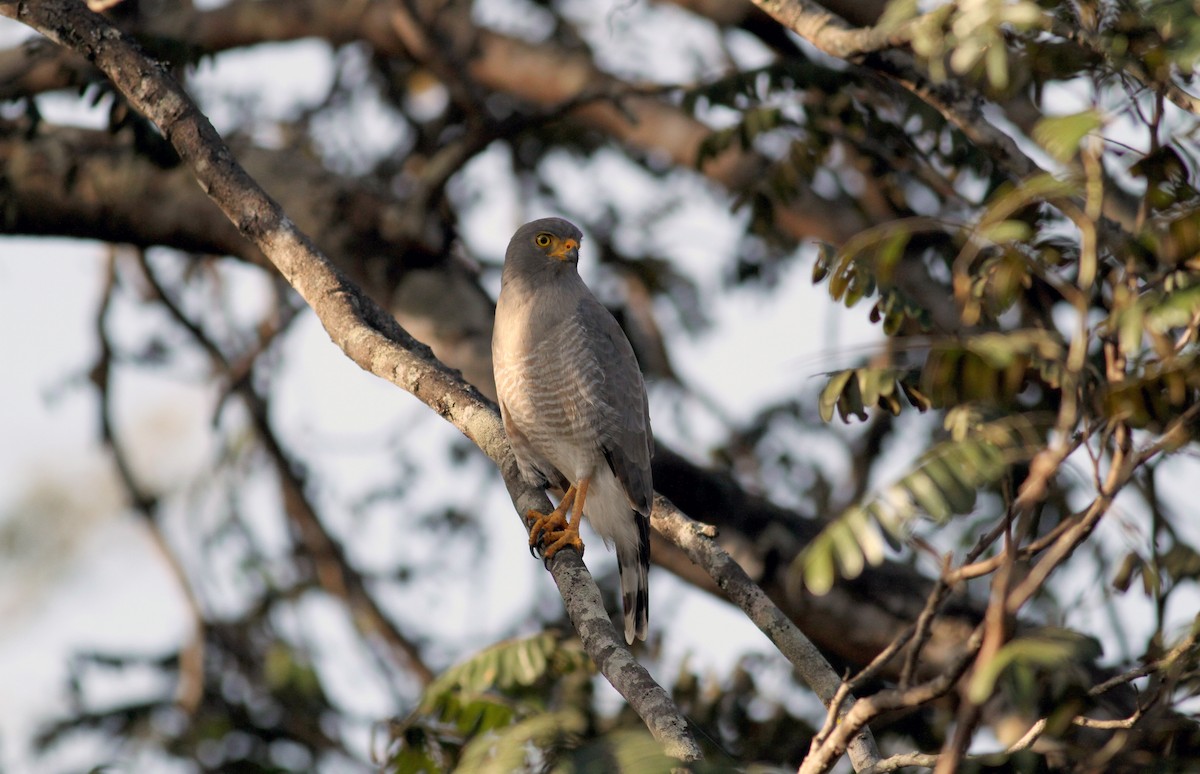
(542, 240)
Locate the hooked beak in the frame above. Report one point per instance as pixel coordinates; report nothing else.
(567, 250)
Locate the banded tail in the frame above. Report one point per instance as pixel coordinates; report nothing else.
(633, 564)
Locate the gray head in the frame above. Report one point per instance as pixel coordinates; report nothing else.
(542, 245)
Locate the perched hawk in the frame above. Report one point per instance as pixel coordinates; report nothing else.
(574, 406)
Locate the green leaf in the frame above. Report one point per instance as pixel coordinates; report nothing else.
(1131, 564)
(1061, 136)
(896, 13)
(1050, 648)
(868, 384)
(1130, 329)
(959, 497)
(852, 391)
(817, 567)
(846, 549)
(839, 280)
(1006, 231)
(928, 494)
(509, 750)
(890, 251)
(825, 257)
(944, 483)
(1175, 311)
(831, 394)
(865, 529)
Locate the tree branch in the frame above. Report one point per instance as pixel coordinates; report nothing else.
(364, 331)
(696, 541)
(832, 35)
(543, 75)
(828, 748)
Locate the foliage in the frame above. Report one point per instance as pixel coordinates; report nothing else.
(483, 713)
(944, 483)
(526, 705)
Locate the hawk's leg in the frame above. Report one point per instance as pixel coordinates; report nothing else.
(542, 525)
(568, 534)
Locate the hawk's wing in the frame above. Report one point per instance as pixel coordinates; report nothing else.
(623, 410)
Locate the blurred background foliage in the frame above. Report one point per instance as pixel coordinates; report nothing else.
(1006, 189)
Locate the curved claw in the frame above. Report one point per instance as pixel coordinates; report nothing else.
(555, 527)
(541, 525)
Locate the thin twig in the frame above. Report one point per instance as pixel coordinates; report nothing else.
(929, 761)
(924, 625)
(1145, 669)
(825, 753)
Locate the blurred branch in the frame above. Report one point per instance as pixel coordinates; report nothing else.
(696, 540)
(1181, 649)
(543, 75)
(332, 568)
(190, 689)
(100, 376)
(831, 34)
(1089, 41)
(363, 330)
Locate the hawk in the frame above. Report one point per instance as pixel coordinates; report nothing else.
(574, 406)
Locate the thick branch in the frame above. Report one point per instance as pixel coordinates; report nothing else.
(65, 181)
(364, 331)
(543, 75)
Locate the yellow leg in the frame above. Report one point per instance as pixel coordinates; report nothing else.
(543, 524)
(568, 534)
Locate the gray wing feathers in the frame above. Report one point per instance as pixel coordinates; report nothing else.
(624, 425)
(613, 384)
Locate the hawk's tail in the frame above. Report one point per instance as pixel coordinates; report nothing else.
(633, 563)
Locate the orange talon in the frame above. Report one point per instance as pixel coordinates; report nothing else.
(568, 533)
(542, 524)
